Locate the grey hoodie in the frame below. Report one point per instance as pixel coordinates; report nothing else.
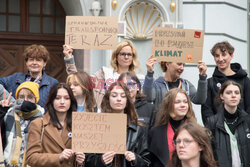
(156, 90)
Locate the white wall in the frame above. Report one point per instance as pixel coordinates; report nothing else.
(221, 20)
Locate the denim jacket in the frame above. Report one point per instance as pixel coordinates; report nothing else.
(11, 83)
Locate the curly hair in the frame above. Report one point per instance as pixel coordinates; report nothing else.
(83, 79)
(129, 108)
(201, 136)
(37, 52)
(223, 46)
(114, 62)
(167, 107)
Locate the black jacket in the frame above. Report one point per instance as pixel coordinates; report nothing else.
(145, 111)
(136, 143)
(221, 141)
(158, 146)
(210, 108)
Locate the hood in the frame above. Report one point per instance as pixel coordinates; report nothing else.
(236, 67)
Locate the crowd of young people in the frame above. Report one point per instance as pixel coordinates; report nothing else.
(161, 125)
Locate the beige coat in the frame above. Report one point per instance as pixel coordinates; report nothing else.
(46, 154)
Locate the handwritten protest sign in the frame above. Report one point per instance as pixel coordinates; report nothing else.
(91, 32)
(99, 132)
(177, 45)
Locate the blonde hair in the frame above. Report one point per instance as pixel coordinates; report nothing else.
(114, 63)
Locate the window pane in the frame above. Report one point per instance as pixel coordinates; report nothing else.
(3, 23)
(34, 24)
(58, 11)
(34, 6)
(2, 5)
(14, 23)
(48, 7)
(47, 25)
(60, 26)
(14, 6)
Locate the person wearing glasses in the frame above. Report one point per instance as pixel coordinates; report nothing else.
(176, 109)
(157, 89)
(144, 109)
(192, 147)
(124, 59)
(230, 128)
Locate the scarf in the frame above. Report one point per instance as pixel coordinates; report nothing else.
(15, 142)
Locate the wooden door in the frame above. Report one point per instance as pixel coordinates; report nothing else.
(27, 22)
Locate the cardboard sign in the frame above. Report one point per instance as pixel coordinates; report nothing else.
(177, 45)
(99, 132)
(91, 32)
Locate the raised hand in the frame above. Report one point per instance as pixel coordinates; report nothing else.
(202, 68)
(6, 102)
(67, 51)
(150, 63)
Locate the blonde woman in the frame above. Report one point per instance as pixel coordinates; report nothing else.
(124, 59)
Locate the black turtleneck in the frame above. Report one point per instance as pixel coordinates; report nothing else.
(176, 123)
(231, 119)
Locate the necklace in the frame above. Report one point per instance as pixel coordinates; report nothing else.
(231, 123)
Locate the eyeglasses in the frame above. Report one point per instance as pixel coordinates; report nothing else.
(185, 142)
(126, 54)
(131, 85)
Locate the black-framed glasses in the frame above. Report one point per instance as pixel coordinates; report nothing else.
(185, 142)
(124, 54)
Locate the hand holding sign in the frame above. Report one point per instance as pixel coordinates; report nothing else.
(202, 68)
(67, 51)
(150, 63)
(108, 157)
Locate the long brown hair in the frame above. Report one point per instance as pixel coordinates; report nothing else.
(114, 62)
(83, 79)
(201, 136)
(129, 109)
(167, 107)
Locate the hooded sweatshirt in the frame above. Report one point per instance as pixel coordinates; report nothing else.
(214, 84)
(156, 90)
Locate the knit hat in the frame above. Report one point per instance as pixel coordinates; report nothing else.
(32, 86)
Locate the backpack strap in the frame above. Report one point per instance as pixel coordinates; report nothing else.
(42, 132)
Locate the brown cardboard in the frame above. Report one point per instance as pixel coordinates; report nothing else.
(91, 32)
(99, 132)
(177, 45)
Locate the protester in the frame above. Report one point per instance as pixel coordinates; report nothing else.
(81, 85)
(16, 123)
(118, 100)
(176, 109)
(156, 90)
(49, 140)
(223, 53)
(36, 58)
(193, 148)
(230, 128)
(6, 101)
(144, 109)
(124, 59)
